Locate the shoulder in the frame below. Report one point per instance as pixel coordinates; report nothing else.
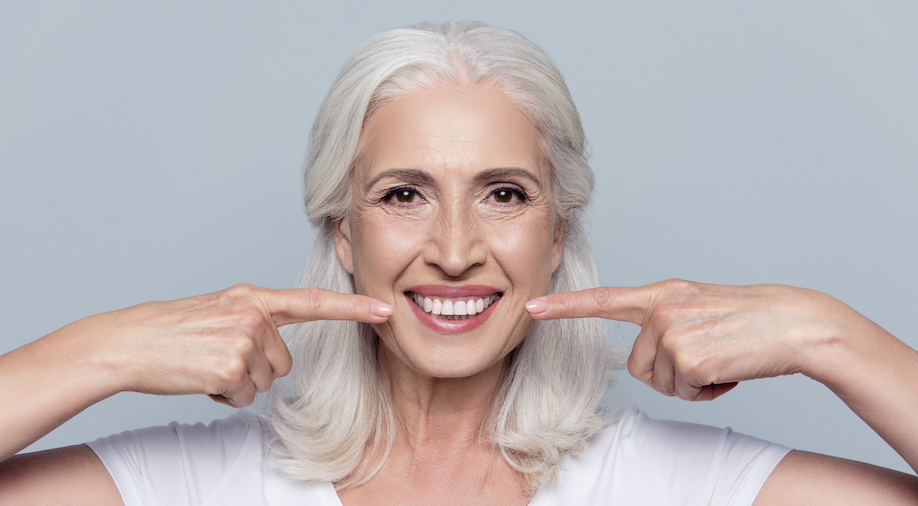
(219, 442)
(636, 459)
(181, 464)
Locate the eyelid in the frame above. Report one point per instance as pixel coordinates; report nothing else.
(520, 192)
(390, 193)
(510, 186)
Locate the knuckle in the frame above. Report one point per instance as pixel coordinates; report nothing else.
(636, 371)
(250, 319)
(603, 297)
(643, 375)
(264, 386)
(239, 290)
(232, 372)
(690, 366)
(677, 285)
(668, 340)
(242, 397)
(244, 347)
(247, 399)
(666, 320)
(283, 368)
(633, 367)
(664, 387)
(674, 342)
(687, 393)
(313, 300)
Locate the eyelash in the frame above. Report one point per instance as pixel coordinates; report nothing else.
(520, 194)
(393, 194)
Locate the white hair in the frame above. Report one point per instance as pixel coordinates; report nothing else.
(336, 404)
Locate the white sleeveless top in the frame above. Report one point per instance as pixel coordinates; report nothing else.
(635, 460)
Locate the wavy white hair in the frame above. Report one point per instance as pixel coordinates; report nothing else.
(336, 404)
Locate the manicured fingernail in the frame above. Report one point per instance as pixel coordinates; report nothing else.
(380, 309)
(537, 306)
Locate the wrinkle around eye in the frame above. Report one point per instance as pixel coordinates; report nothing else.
(388, 202)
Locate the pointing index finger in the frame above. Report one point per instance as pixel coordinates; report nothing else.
(614, 303)
(309, 304)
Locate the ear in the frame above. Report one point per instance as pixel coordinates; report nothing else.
(343, 244)
(557, 246)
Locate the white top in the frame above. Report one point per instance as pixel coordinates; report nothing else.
(634, 460)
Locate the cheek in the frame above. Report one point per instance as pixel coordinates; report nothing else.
(382, 250)
(524, 252)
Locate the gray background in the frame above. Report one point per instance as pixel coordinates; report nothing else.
(153, 152)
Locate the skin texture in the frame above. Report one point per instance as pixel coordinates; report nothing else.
(451, 190)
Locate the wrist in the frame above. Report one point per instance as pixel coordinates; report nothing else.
(78, 359)
(848, 350)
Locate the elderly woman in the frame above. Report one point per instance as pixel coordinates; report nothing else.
(447, 179)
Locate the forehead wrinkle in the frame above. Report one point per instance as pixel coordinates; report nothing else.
(414, 175)
(487, 175)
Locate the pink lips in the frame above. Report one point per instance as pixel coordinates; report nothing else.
(447, 292)
(454, 291)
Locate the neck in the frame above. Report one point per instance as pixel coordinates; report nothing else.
(441, 441)
(441, 414)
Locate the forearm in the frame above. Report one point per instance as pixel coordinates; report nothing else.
(47, 382)
(876, 375)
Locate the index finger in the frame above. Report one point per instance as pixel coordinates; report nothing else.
(626, 304)
(297, 305)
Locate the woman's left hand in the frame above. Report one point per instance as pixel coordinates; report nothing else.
(698, 340)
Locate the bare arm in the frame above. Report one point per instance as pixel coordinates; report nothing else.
(224, 344)
(71, 475)
(697, 341)
(808, 479)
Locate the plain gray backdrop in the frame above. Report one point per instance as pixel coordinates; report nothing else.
(153, 151)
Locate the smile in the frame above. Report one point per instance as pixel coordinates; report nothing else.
(452, 308)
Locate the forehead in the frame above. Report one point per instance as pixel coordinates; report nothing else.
(450, 128)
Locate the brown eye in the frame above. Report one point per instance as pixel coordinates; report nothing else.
(403, 196)
(508, 196)
(503, 196)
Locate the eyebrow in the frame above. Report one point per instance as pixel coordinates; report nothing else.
(414, 175)
(487, 175)
(422, 176)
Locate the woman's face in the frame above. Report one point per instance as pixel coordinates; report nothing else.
(451, 213)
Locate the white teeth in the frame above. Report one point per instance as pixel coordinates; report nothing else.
(453, 309)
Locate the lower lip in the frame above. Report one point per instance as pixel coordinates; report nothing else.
(451, 326)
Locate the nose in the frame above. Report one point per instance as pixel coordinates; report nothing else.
(455, 243)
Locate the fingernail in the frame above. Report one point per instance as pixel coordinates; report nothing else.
(380, 309)
(537, 306)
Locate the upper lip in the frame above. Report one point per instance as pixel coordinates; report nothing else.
(445, 291)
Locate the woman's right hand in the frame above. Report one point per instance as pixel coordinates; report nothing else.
(224, 344)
